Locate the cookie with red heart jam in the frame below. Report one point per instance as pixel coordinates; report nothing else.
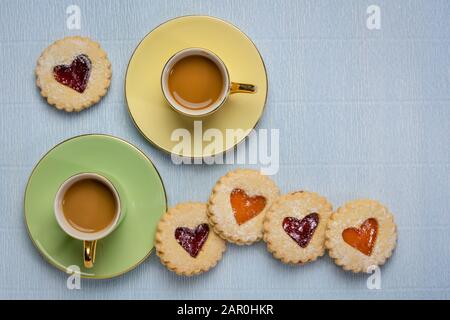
(361, 235)
(73, 73)
(185, 242)
(238, 204)
(294, 227)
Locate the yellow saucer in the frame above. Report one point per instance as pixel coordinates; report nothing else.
(156, 120)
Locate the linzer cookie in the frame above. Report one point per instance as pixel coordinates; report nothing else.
(294, 227)
(238, 204)
(185, 242)
(361, 234)
(73, 73)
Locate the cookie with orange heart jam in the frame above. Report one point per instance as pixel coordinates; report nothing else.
(360, 235)
(185, 243)
(238, 204)
(294, 227)
(73, 73)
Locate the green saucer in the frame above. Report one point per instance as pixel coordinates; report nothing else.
(142, 195)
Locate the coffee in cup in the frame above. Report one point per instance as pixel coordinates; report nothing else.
(87, 207)
(196, 82)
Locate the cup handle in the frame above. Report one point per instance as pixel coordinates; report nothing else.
(242, 88)
(89, 253)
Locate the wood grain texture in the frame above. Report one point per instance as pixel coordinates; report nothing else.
(361, 114)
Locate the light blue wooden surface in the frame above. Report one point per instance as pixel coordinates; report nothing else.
(361, 114)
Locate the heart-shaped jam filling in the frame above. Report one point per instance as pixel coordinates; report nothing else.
(75, 75)
(362, 238)
(301, 231)
(192, 240)
(245, 207)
